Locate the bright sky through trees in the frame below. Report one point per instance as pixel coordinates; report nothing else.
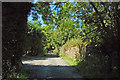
(30, 18)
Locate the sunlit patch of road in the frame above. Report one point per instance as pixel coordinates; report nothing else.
(50, 67)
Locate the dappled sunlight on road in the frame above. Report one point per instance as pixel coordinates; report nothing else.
(46, 61)
(50, 67)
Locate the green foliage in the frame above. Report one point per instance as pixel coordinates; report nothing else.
(90, 68)
(45, 52)
(76, 24)
(72, 62)
(56, 52)
(73, 42)
(34, 43)
(61, 27)
(23, 75)
(99, 23)
(73, 24)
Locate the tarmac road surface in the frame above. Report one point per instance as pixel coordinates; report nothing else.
(50, 66)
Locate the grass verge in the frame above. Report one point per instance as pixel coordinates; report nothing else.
(72, 62)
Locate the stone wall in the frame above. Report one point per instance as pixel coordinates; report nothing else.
(76, 52)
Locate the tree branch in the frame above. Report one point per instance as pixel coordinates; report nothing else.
(101, 19)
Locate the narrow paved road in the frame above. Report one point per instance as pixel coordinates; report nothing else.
(50, 67)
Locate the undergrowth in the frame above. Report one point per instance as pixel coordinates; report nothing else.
(56, 52)
(22, 75)
(90, 68)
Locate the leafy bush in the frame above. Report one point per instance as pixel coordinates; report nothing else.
(95, 66)
(45, 52)
(34, 43)
(90, 68)
(73, 42)
(56, 52)
(20, 76)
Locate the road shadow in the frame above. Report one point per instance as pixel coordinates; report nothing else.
(49, 55)
(53, 66)
(53, 71)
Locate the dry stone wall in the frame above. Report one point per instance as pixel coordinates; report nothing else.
(76, 52)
